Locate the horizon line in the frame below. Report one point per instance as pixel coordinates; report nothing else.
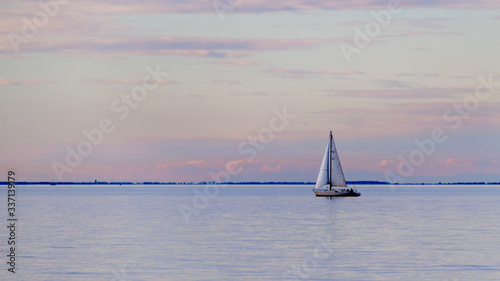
(365, 182)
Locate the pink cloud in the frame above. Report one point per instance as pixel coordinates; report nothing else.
(270, 169)
(130, 81)
(455, 162)
(385, 163)
(197, 163)
(410, 34)
(90, 18)
(193, 53)
(458, 162)
(237, 62)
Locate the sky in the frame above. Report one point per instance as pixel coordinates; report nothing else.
(248, 90)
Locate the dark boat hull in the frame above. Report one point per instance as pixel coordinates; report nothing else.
(336, 193)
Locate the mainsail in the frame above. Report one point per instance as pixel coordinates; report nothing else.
(330, 173)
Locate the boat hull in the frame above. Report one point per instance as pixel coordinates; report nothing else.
(336, 193)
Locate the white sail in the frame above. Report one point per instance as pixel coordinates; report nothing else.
(323, 178)
(337, 175)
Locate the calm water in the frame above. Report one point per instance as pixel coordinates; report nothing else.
(255, 233)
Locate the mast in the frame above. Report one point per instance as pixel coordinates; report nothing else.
(330, 161)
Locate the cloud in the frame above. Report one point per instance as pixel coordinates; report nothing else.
(431, 75)
(386, 163)
(95, 22)
(407, 74)
(429, 23)
(197, 163)
(259, 94)
(305, 74)
(258, 6)
(419, 75)
(270, 169)
(457, 162)
(387, 118)
(236, 62)
(388, 83)
(227, 82)
(462, 77)
(422, 33)
(175, 46)
(412, 93)
(251, 94)
(122, 81)
(9, 82)
(417, 27)
(409, 34)
(353, 22)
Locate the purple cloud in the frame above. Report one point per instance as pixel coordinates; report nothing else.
(202, 6)
(180, 46)
(9, 82)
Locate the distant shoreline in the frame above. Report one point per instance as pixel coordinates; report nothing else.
(241, 183)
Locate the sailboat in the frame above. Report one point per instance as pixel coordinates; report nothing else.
(331, 181)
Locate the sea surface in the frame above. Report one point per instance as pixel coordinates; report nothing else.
(259, 232)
